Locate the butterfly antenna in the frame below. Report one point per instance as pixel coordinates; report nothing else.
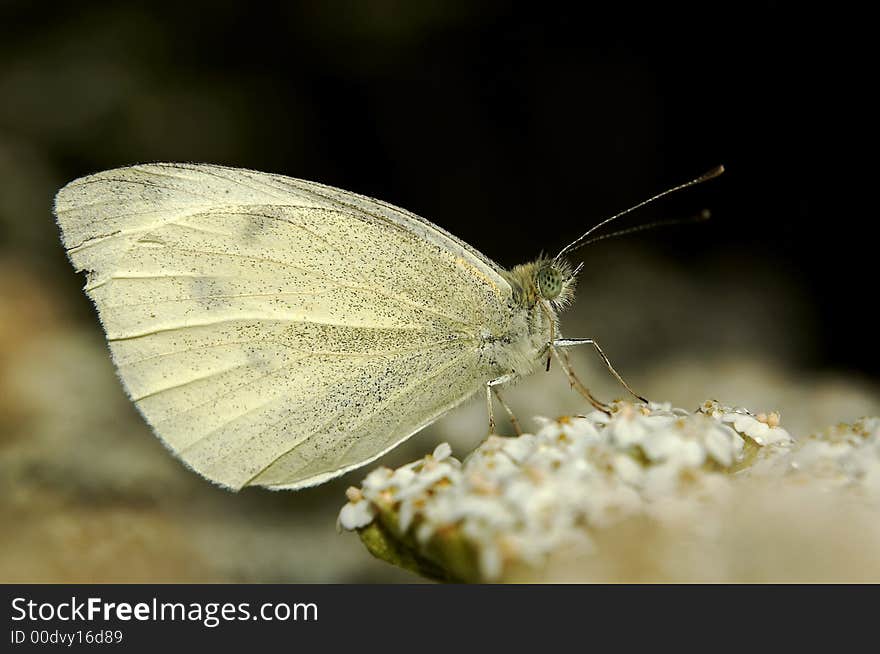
(585, 237)
(703, 216)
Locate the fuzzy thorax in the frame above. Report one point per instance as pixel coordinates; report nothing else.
(539, 290)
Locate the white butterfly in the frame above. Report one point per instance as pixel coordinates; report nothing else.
(278, 332)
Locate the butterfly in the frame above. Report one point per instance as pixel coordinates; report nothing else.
(279, 332)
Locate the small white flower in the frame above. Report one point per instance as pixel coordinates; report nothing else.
(359, 512)
(577, 428)
(669, 445)
(763, 429)
(547, 427)
(402, 478)
(629, 470)
(442, 451)
(519, 449)
(378, 480)
(723, 444)
(430, 474)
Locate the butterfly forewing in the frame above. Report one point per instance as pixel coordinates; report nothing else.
(275, 331)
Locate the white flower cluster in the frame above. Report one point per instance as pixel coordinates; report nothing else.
(763, 428)
(516, 500)
(844, 456)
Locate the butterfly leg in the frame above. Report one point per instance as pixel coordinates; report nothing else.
(489, 409)
(490, 388)
(548, 314)
(513, 420)
(575, 382)
(569, 342)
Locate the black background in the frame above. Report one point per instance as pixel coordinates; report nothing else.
(515, 126)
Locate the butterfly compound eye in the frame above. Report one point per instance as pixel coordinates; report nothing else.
(549, 281)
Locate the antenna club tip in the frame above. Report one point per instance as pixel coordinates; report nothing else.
(712, 174)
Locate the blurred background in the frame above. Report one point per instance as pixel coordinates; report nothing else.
(516, 127)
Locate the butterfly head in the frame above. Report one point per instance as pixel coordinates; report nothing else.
(545, 281)
(555, 280)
